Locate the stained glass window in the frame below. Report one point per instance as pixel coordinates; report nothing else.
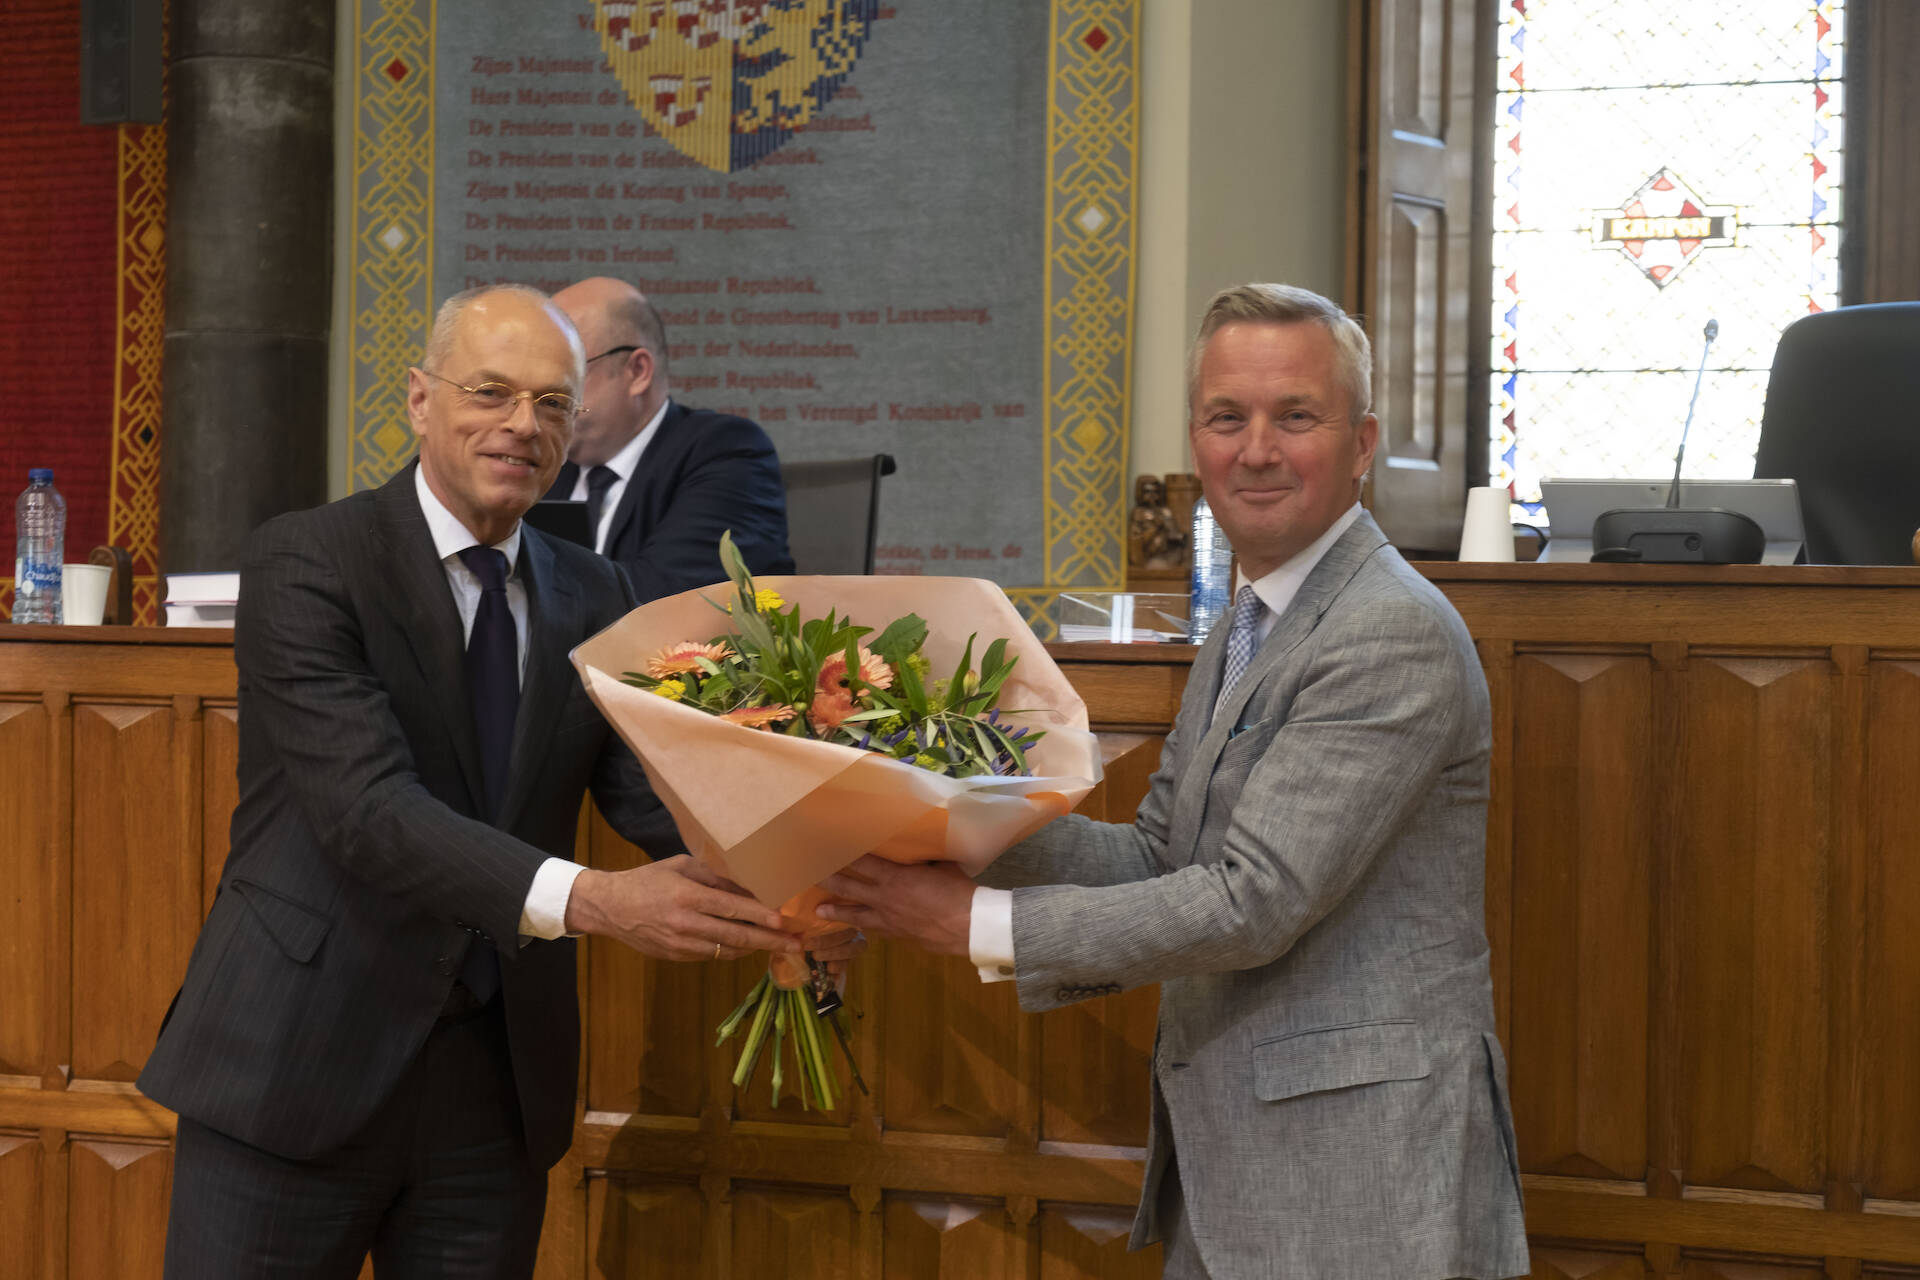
(1657, 164)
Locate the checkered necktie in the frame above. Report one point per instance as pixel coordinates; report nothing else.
(1241, 641)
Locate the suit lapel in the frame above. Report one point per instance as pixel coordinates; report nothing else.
(1323, 585)
(645, 473)
(419, 596)
(554, 625)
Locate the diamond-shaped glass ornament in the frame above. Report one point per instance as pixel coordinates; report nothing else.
(1095, 39)
(396, 70)
(393, 237)
(1090, 219)
(1664, 225)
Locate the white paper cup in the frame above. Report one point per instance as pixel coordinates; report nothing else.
(1488, 531)
(83, 594)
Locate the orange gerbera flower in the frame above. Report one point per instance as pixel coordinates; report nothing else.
(678, 659)
(873, 670)
(759, 717)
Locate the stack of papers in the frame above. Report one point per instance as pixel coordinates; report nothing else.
(202, 599)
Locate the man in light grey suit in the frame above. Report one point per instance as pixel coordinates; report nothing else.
(1304, 877)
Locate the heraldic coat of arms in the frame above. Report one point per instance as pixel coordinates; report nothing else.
(728, 82)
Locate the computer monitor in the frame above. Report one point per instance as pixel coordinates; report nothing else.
(561, 518)
(1573, 506)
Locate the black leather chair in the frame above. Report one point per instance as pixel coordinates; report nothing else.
(833, 512)
(1843, 421)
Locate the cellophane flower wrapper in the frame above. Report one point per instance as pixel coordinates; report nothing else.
(776, 813)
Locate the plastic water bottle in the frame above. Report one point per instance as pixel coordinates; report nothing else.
(40, 523)
(1212, 573)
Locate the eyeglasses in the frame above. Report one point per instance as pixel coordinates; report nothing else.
(551, 409)
(613, 351)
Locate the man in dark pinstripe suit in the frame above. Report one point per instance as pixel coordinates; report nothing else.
(376, 1044)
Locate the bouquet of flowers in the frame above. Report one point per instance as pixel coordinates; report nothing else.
(816, 678)
(800, 738)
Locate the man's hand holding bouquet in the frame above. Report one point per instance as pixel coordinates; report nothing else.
(800, 737)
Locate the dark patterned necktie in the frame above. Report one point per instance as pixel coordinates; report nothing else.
(493, 688)
(599, 480)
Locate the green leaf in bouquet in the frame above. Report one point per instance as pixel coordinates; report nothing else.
(913, 691)
(901, 640)
(995, 667)
(735, 564)
(755, 635)
(956, 687)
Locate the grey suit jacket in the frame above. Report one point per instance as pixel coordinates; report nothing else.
(359, 872)
(1305, 880)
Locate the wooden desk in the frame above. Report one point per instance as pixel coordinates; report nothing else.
(1702, 861)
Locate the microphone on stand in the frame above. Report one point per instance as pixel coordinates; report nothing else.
(1674, 534)
(1712, 331)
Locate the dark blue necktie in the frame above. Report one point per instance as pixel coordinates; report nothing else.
(599, 480)
(493, 687)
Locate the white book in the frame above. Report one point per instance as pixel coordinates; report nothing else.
(203, 588)
(200, 615)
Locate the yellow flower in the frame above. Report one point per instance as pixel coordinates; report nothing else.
(765, 600)
(925, 761)
(671, 690)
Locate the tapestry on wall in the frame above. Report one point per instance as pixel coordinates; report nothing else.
(82, 267)
(903, 228)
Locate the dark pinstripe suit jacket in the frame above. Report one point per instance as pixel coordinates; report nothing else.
(357, 864)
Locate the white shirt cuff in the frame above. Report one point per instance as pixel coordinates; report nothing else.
(990, 934)
(545, 912)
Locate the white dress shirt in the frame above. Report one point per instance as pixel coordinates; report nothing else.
(544, 914)
(623, 464)
(990, 927)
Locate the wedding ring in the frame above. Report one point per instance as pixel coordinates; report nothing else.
(716, 951)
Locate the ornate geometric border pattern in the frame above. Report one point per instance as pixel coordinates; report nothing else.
(133, 506)
(1092, 153)
(1093, 131)
(392, 255)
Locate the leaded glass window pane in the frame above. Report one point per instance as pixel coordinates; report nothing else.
(1657, 165)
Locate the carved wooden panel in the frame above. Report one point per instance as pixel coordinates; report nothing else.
(29, 914)
(1582, 813)
(1717, 1269)
(1891, 1015)
(219, 794)
(1087, 1243)
(1409, 373)
(1580, 1264)
(649, 1023)
(640, 1229)
(136, 886)
(1095, 1067)
(1757, 787)
(1415, 91)
(20, 1165)
(117, 1210)
(932, 1239)
(798, 1234)
(951, 1046)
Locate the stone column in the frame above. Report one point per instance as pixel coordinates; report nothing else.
(249, 267)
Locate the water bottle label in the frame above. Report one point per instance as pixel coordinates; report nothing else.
(41, 577)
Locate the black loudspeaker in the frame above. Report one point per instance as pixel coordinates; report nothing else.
(120, 61)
